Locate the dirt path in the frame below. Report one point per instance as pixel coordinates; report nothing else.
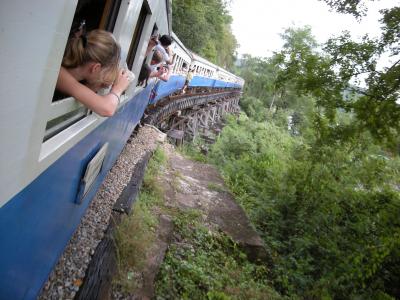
(191, 185)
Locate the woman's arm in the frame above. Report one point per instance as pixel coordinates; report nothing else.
(103, 105)
(167, 73)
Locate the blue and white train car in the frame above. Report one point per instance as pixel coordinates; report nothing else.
(226, 79)
(204, 72)
(207, 74)
(55, 154)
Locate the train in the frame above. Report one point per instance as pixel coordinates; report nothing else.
(55, 154)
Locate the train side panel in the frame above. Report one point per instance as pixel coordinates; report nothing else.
(38, 222)
(163, 89)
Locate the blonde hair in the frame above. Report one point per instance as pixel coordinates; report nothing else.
(96, 46)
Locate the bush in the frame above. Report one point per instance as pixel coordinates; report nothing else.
(328, 212)
(204, 264)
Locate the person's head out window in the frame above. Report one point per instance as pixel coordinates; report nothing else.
(165, 41)
(91, 62)
(96, 55)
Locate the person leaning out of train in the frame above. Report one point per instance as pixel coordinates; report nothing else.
(156, 63)
(189, 78)
(162, 44)
(158, 68)
(90, 63)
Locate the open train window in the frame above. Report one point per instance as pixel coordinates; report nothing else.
(144, 12)
(97, 14)
(174, 63)
(178, 65)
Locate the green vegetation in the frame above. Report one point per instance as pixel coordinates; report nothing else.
(204, 27)
(193, 150)
(328, 214)
(314, 160)
(208, 265)
(136, 232)
(216, 187)
(201, 264)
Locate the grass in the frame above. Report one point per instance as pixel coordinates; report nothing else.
(204, 264)
(136, 233)
(200, 264)
(216, 187)
(192, 151)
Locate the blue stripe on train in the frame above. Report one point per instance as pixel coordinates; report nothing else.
(37, 223)
(176, 82)
(203, 81)
(163, 89)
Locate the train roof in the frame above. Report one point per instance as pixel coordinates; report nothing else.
(181, 45)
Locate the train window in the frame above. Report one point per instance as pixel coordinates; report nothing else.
(110, 15)
(180, 64)
(96, 14)
(58, 124)
(175, 68)
(144, 12)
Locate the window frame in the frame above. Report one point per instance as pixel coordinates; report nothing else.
(67, 105)
(52, 148)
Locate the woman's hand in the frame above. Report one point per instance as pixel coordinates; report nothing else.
(121, 83)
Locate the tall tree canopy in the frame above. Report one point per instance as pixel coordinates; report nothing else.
(204, 27)
(377, 107)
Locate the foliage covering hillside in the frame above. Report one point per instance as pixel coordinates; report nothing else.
(204, 27)
(322, 187)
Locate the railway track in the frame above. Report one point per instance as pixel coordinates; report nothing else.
(164, 109)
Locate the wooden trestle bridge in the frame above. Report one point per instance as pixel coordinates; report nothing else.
(185, 117)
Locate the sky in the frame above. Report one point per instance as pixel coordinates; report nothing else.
(258, 23)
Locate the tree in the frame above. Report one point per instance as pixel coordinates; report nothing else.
(376, 107)
(204, 27)
(326, 201)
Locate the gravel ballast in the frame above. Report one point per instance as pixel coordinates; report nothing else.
(68, 274)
